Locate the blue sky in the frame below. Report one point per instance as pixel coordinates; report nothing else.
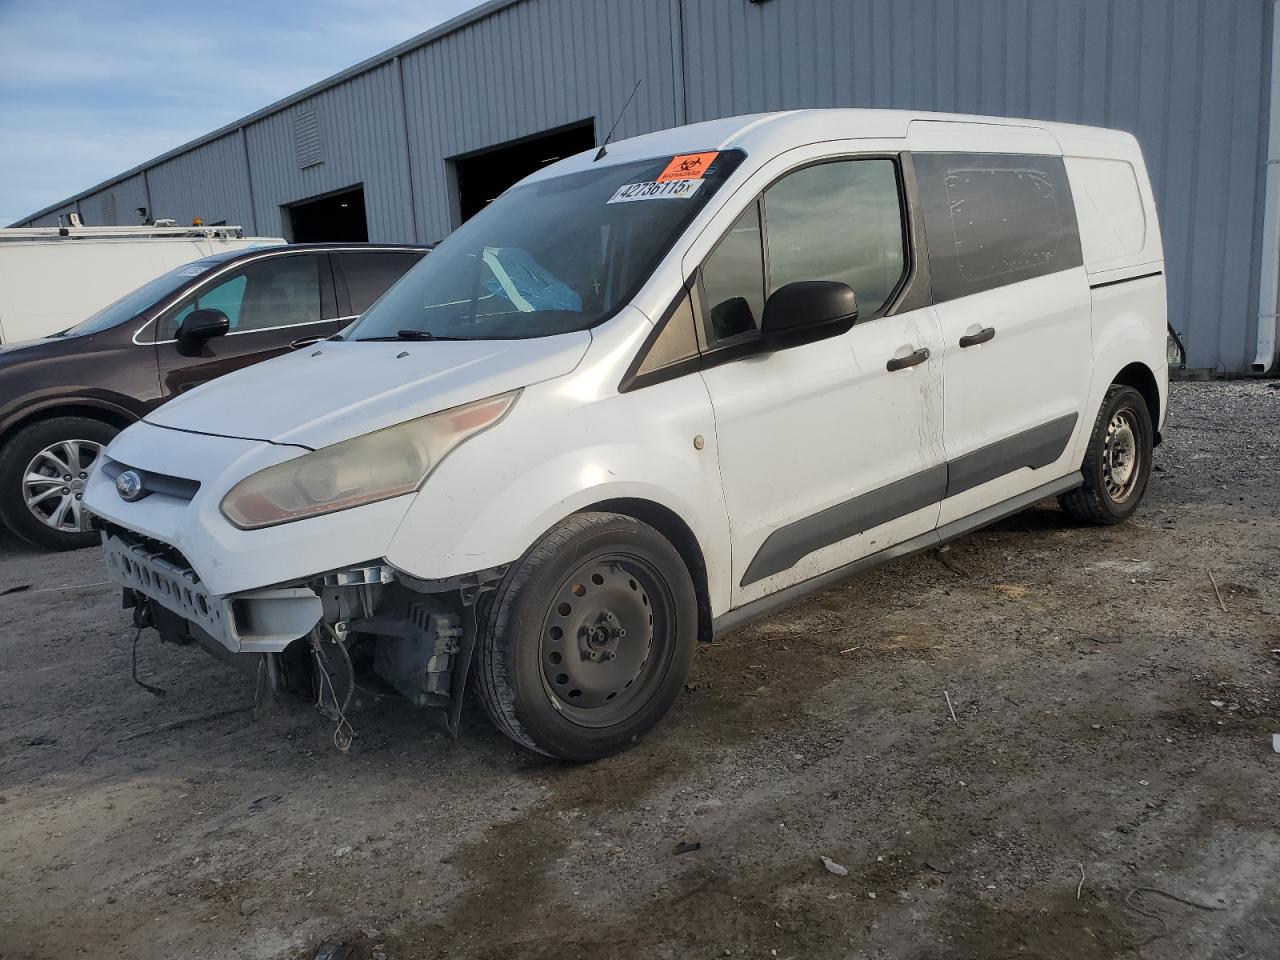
(89, 89)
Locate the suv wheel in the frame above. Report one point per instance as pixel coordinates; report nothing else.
(43, 469)
(1117, 464)
(589, 638)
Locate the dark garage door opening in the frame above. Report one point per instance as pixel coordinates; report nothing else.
(482, 176)
(337, 218)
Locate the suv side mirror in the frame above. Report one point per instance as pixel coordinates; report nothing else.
(201, 325)
(805, 311)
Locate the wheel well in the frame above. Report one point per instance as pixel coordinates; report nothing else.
(115, 418)
(1140, 377)
(671, 526)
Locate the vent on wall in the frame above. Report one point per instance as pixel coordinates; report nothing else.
(306, 138)
(109, 210)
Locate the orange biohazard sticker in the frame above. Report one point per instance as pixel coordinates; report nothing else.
(688, 166)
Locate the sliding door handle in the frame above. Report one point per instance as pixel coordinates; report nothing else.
(982, 336)
(910, 360)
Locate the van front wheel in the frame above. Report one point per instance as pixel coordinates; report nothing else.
(589, 638)
(1117, 464)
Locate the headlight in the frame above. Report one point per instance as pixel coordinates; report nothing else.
(377, 466)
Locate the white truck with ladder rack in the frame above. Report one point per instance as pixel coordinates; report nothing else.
(54, 277)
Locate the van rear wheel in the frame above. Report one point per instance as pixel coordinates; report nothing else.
(43, 469)
(1117, 464)
(589, 638)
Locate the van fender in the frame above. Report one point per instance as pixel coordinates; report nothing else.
(495, 497)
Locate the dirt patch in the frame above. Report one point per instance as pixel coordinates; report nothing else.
(1109, 716)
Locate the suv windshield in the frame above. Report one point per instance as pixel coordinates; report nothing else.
(551, 256)
(132, 304)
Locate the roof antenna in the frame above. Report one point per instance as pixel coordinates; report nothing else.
(602, 151)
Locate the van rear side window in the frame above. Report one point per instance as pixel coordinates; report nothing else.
(995, 219)
(1113, 223)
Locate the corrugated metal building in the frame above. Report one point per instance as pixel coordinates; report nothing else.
(408, 135)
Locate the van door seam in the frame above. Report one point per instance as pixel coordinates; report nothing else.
(791, 543)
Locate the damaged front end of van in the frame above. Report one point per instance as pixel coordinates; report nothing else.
(180, 548)
(316, 635)
(341, 517)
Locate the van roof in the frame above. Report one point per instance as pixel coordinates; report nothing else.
(775, 132)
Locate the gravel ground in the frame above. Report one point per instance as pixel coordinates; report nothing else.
(1108, 786)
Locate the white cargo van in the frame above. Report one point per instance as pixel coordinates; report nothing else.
(651, 393)
(51, 278)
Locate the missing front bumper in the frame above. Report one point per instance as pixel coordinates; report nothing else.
(263, 621)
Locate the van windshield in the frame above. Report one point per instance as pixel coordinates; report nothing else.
(134, 303)
(551, 256)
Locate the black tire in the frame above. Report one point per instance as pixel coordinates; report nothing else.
(15, 458)
(1103, 499)
(572, 696)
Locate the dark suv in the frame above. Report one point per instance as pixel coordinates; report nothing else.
(63, 398)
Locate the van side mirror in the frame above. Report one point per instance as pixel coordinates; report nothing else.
(201, 325)
(805, 311)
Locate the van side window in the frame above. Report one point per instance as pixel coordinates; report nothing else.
(838, 221)
(995, 219)
(733, 279)
(1109, 206)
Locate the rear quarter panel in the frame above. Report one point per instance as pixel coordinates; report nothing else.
(1124, 260)
(1128, 323)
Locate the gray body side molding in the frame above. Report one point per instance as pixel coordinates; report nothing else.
(1034, 448)
(740, 616)
(787, 546)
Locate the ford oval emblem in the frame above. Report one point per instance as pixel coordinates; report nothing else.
(129, 486)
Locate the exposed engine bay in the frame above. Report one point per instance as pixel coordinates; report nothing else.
(372, 628)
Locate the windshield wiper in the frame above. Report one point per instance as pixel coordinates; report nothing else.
(412, 335)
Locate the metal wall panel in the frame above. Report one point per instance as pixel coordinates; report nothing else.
(52, 218)
(128, 194)
(361, 137)
(210, 182)
(1185, 76)
(1188, 77)
(530, 68)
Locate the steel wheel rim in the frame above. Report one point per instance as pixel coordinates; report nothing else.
(53, 483)
(1120, 452)
(606, 640)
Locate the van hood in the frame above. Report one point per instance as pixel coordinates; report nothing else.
(337, 390)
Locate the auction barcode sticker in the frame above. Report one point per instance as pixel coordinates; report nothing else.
(652, 190)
